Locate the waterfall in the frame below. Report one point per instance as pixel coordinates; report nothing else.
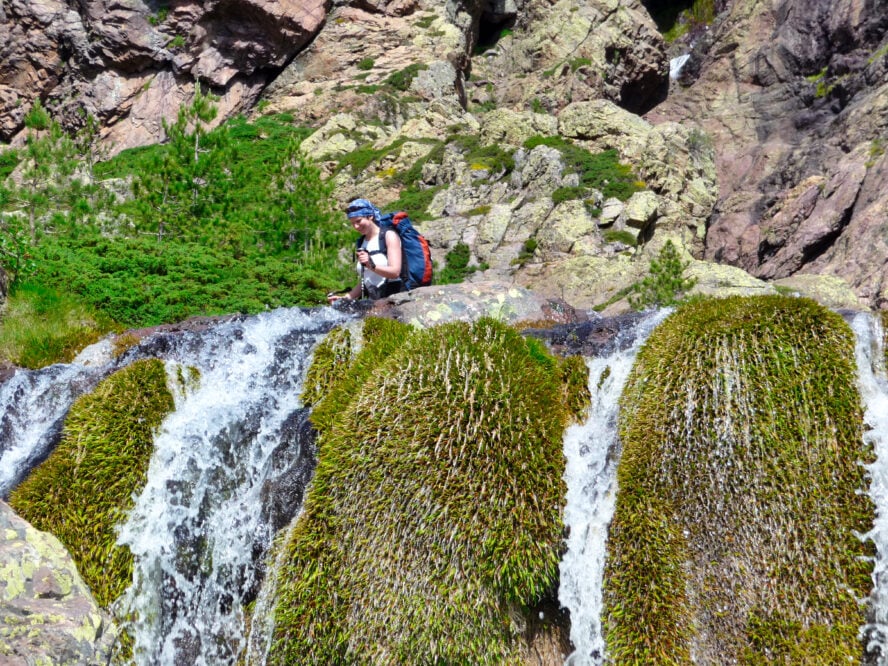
(201, 527)
(873, 384)
(33, 404)
(228, 470)
(592, 452)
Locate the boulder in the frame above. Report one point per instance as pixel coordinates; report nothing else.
(47, 614)
(428, 306)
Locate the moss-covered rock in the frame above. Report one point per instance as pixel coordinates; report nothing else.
(86, 486)
(734, 536)
(433, 521)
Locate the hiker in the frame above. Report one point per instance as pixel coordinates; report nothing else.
(379, 269)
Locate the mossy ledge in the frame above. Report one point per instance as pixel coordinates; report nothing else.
(433, 523)
(84, 489)
(739, 493)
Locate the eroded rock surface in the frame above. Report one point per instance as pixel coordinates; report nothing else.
(132, 67)
(793, 98)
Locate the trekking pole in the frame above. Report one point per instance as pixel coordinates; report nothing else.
(362, 282)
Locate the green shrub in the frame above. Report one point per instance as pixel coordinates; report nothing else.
(428, 529)
(366, 64)
(526, 253)
(84, 490)
(402, 79)
(562, 194)
(456, 265)
(741, 484)
(600, 171)
(665, 283)
(9, 160)
(143, 282)
(415, 201)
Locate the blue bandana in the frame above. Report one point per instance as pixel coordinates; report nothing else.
(363, 208)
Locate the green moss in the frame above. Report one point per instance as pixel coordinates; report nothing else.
(329, 363)
(333, 377)
(402, 79)
(740, 486)
(601, 171)
(86, 486)
(433, 521)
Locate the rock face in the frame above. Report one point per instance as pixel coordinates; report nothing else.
(793, 97)
(47, 614)
(131, 67)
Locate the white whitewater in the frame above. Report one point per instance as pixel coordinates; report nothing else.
(592, 452)
(198, 532)
(873, 385)
(33, 404)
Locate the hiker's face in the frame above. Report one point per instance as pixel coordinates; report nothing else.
(363, 225)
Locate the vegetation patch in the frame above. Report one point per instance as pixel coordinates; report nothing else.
(433, 521)
(665, 283)
(402, 79)
(233, 219)
(42, 326)
(456, 265)
(599, 171)
(740, 490)
(620, 236)
(84, 490)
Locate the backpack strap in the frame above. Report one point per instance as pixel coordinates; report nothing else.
(381, 250)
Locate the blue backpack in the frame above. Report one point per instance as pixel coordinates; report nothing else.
(416, 258)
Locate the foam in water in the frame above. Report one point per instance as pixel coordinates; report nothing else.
(197, 531)
(592, 453)
(873, 385)
(33, 404)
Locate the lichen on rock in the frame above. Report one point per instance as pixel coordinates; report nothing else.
(433, 522)
(735, 531)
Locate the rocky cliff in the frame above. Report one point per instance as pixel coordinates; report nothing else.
(794, 97)
(764, 161)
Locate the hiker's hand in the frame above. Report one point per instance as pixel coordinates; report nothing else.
(364, 259)
(332, 298)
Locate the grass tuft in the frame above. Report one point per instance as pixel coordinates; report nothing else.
(740, 490)
(433, 521)
(43, 326)
(84, 490)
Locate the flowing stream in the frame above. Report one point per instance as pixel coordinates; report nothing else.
(33, 405)
(229, 468)
(873, 384)
(592, 451)
(231, 462)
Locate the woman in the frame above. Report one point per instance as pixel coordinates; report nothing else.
(379, 272)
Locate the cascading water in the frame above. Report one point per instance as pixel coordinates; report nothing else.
(33, 404)
(873, 385)
(592, 453)
(229, 467)
(201, 527)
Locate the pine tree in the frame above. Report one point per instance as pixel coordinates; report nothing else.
(665, 283)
